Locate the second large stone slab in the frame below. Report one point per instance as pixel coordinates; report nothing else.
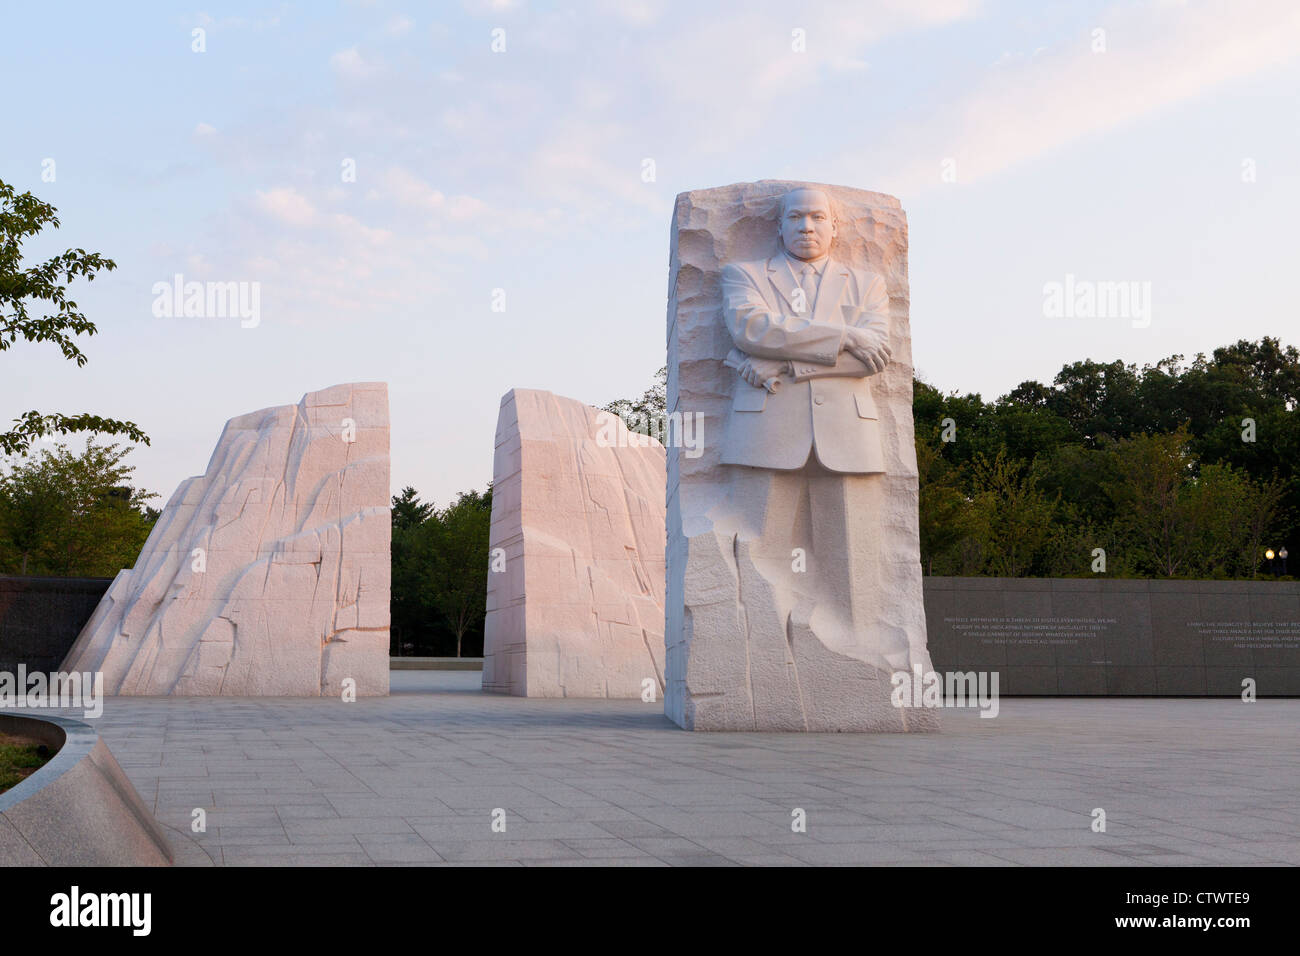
(575, 599)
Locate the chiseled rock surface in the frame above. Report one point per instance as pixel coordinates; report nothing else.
(269, 574)
(746, 650)
(575, 596)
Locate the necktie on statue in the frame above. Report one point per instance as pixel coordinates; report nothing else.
(808, 283)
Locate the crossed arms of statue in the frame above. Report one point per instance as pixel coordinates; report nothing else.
(770, 344)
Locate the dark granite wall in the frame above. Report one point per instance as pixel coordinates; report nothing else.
(41, 617)
(1075, 637)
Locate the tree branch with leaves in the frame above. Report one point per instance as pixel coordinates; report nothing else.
(35, 307)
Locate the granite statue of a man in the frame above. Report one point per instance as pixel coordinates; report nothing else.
(810, 502)
(808, 331)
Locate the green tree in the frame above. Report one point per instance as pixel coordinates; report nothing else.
(409, 511)
(1181, 518)
(1153, 518)
(947, 516)
(1019, 518)
(440, 568)
(59, 320)
(67, 514)
(459, 567)
(1098, 400)
(1077, 474)
(1236, 408)
(642, 414)
(1235, 515)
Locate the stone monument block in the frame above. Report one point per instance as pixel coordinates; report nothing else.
(576, 571)
(268, 575)
(794, 577)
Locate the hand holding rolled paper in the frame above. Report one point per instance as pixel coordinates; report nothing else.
(759, 372)
(869, 349)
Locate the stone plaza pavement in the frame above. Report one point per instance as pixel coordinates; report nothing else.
(414, 778)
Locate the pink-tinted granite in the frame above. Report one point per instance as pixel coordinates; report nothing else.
(576, 581)
(794, 589)
(269, 574)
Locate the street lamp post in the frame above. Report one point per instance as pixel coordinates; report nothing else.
(1282, 554)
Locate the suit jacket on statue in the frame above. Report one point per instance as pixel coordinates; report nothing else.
(826, 405)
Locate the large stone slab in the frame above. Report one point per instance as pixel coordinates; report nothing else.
(576, 582)
(268, 575)
(794, 582)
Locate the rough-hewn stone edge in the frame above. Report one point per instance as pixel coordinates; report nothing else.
(79, 809)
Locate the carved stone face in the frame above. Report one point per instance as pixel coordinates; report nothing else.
(807, 223)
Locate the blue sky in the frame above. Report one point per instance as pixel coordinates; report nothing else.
(522, 170)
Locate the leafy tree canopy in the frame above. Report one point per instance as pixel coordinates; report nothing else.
(72, 514)
(35, 307)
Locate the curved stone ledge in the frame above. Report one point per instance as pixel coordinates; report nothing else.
(79, 809)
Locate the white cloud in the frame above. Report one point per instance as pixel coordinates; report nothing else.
(406, 188)
(1157, 55)
(732, 75)
(208, 22)
(510, 153)
(403, 188)
(287, 205)
(352, 64)
(491, 6)
(638, 13)
(367, 234)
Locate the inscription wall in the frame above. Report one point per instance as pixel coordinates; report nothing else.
(1075, 637)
